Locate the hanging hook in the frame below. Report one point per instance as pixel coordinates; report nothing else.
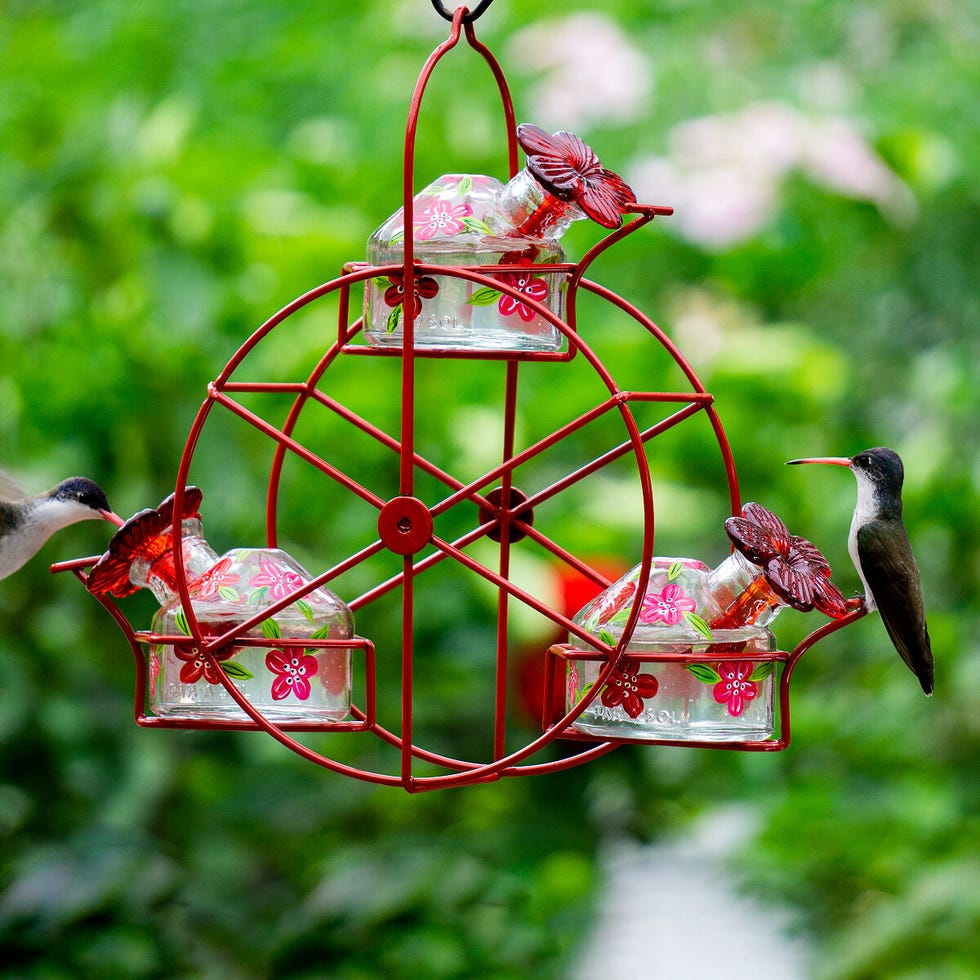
(468, 18)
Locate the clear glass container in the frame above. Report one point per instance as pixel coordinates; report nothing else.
(712, 691)
(710, 700)
(290, 683)
(459, 221)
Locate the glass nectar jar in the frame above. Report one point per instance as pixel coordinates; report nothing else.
(458, 222)
(511, 231)
(285, 681)
(678, 679)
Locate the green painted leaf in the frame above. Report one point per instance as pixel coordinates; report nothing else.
(305, 608)
(674, 571)
(181, 619)
(258, 595)
(475, 225)
(228, 593)
(484, 297)
(322, 633)
(465, 185)
(607, 638)
(698, 624)
(394, 318)
(270, 629)
(237, 671)
(763, 671)
(704, 673)
(397, 237)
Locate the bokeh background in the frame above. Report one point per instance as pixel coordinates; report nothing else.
(171, 174)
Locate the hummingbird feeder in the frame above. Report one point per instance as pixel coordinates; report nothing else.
(468, 273)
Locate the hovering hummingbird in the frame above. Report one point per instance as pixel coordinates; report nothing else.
(879, 547)
(26, 523)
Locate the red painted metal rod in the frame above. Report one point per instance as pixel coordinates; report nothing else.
(300, 450)
(612, 455)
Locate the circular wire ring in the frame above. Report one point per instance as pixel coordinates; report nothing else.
(468, 18)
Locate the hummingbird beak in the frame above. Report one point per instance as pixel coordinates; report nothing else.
(112, 517)
(833, 460)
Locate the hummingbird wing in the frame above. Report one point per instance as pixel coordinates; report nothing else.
(10, 489)
(893, 579)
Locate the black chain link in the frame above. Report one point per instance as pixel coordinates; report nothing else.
(469, 17)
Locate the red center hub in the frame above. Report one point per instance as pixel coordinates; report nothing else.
(507, 512)
(405, 525)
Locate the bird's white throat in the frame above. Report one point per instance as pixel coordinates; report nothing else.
(865, 510)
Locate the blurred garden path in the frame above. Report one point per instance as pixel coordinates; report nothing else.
(674, 910)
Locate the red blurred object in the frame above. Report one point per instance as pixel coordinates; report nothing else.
(575, 589)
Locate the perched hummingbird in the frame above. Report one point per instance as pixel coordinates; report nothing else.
(26, 523)
(879, 547)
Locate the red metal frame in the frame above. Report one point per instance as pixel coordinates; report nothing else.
(405, 523)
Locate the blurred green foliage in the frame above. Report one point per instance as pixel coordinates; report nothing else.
(172, 174)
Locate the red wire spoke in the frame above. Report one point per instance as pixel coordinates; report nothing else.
(505, 584)
(300, 450)
(610, 456)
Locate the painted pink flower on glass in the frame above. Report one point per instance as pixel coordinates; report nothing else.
(629, 687)
(735, 689)
(527, 285)
(215, 579)
(293, 671)
(666, 607)
(154, 671)
(573, 682)
(281, 582)
(613, 600)
(441, 220)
